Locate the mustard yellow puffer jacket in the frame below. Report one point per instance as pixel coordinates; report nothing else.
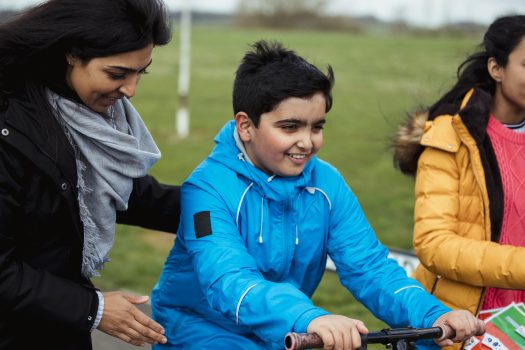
(459, 205)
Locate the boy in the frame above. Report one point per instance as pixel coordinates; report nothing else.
(260, 216)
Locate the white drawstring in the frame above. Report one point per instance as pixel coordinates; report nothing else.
(298, 200)
(312, 190)
(262, 219)
(240, 203)
(260, 240)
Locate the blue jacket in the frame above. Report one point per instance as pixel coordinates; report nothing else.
(252, 248)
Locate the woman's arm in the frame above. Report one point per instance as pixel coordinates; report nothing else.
(152, 205)
(451, 246)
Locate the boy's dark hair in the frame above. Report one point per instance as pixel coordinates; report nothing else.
(270, 74)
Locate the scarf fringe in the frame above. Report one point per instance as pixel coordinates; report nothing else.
(91, 261)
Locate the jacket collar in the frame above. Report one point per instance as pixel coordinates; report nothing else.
(472, 112)
(475, 113)
(228, 153)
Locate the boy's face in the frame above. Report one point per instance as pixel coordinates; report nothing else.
(287, 137)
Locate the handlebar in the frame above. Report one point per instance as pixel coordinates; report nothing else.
(393, 336)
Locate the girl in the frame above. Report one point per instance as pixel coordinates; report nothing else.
(466, 154)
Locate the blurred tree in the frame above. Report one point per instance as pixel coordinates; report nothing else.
(289, 14)
(282, 7)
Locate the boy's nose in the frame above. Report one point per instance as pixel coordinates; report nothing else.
(305, 143)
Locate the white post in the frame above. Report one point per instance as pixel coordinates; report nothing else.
(183, 118)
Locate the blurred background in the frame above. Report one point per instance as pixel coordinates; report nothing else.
(390, 57)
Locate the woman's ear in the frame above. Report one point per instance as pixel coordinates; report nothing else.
(244, 126)
(494, 69)
(71, 59)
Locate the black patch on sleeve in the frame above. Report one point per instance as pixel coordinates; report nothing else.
(202, 224)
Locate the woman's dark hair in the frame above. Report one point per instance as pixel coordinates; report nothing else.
(33, 45)
(501, 38)
(270, 74)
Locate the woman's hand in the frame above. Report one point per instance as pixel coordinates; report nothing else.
(338, 332)
(123, 320)
(458, 326)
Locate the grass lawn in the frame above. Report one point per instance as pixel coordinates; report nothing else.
(378, 79)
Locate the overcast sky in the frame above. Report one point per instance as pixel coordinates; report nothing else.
(420, 12)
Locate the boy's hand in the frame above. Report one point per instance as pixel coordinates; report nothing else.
(458, 326)
(338, 332)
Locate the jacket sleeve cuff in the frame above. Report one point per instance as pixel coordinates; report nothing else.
(302, 322)
(431, 319)
(100, 310)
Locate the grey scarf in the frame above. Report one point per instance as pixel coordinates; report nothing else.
(110, 150)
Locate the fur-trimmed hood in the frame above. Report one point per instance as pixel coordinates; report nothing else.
(474, 111)
(406, 142)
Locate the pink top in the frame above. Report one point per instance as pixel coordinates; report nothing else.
(509, 147)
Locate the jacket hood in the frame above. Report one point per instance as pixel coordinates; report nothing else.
(406, 143)
(227, 153)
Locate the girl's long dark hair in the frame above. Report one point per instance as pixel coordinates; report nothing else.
(33, 45)
(501, 38)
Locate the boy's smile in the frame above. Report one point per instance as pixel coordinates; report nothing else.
(287, 137)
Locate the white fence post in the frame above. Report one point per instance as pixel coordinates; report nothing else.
(182, 123)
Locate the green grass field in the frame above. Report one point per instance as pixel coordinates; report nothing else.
(378, 79)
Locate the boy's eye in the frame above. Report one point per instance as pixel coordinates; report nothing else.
(289, 127)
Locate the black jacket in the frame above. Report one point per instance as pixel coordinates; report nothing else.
(44, 300)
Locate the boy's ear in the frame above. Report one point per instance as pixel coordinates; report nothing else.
(244, 126)
(494, 69)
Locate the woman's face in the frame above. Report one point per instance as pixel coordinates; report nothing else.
(509, 99)
(101, 81)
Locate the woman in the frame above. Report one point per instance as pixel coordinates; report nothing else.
(74, 155)
(466, 153)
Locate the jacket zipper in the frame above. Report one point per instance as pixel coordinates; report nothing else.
(434, 286)
(477, 309)
(472, 154)
(481, 298)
